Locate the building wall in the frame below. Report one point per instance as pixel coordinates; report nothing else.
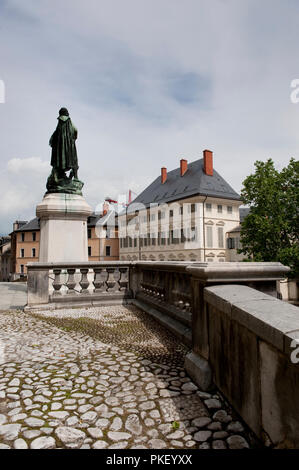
(93, 245)
(101, 239)
(206, 219)
(27, 245)
(233, 245)
(5, 262)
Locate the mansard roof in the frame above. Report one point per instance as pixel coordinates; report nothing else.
(194, 182)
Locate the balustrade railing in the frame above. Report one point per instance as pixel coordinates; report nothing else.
(54, 282)
(89, 281)
(169, 286)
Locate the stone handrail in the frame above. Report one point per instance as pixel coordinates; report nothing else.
(77, 283)
(253, 358)
(171, 284)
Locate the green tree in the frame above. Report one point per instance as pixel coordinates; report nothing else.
(270, 232)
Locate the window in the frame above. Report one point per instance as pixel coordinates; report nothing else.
(22, 237)
(89, 251)
(22, 269)
(89, 233)
(22, 252)
(135, 242)
(33, 236)
(171, 236)
(230, 243)
(220, 237)
(108, 250)
(219, 209)
(193, 208)
(33, 252)
(209, 236)
(181, 210)
(229, 209)
(171, 213)
(208, 207)
(130, 243)
(153, 217)
(193, 234)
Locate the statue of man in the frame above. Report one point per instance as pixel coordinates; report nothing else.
(64, 152)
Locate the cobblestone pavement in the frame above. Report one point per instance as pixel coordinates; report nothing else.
(13, 295)
(63, 388)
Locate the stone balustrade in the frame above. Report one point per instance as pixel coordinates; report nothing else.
(58, 284)
(253, 359)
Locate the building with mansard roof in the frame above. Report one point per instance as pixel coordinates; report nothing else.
(184, 214)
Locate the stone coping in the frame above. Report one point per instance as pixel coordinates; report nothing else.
(233, 272)
(214, 272)
(271, 319)
(83, 264)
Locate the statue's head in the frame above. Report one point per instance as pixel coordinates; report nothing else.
(63, 112)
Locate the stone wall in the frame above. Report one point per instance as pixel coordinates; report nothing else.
(250, 355)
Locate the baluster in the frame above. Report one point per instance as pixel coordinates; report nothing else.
(57, 281)
(110, 282)
(84, 283)
(123, 279)
(98, 281)
(71, 283)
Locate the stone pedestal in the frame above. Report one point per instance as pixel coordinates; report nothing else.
(63, 228)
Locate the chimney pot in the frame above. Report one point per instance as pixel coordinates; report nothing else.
(105, 208)
(163, 174)
(208, 162)
(184, 166)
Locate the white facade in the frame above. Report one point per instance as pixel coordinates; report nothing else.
(168, 236)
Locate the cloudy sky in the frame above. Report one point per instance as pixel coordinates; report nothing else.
(147, 82)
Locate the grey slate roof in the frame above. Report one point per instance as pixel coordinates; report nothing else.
(32, 225)
(93, 220)
(194, 182)
(99, 219)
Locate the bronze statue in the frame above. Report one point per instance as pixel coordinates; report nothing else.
(64, 157)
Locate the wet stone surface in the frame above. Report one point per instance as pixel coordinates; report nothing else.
(108, 378)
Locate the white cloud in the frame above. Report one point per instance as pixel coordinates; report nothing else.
(114, 65)
(32, 164)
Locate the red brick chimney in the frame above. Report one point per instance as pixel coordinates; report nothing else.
(163, 174)
(184, 166)
(105, 208)
(208, 162)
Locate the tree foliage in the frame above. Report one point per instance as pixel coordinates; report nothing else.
(270, 232)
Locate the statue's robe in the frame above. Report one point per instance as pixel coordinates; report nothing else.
(64, 152)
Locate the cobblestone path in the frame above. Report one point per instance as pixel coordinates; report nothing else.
(106, 378)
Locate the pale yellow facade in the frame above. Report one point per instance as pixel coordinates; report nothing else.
(27, 250)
